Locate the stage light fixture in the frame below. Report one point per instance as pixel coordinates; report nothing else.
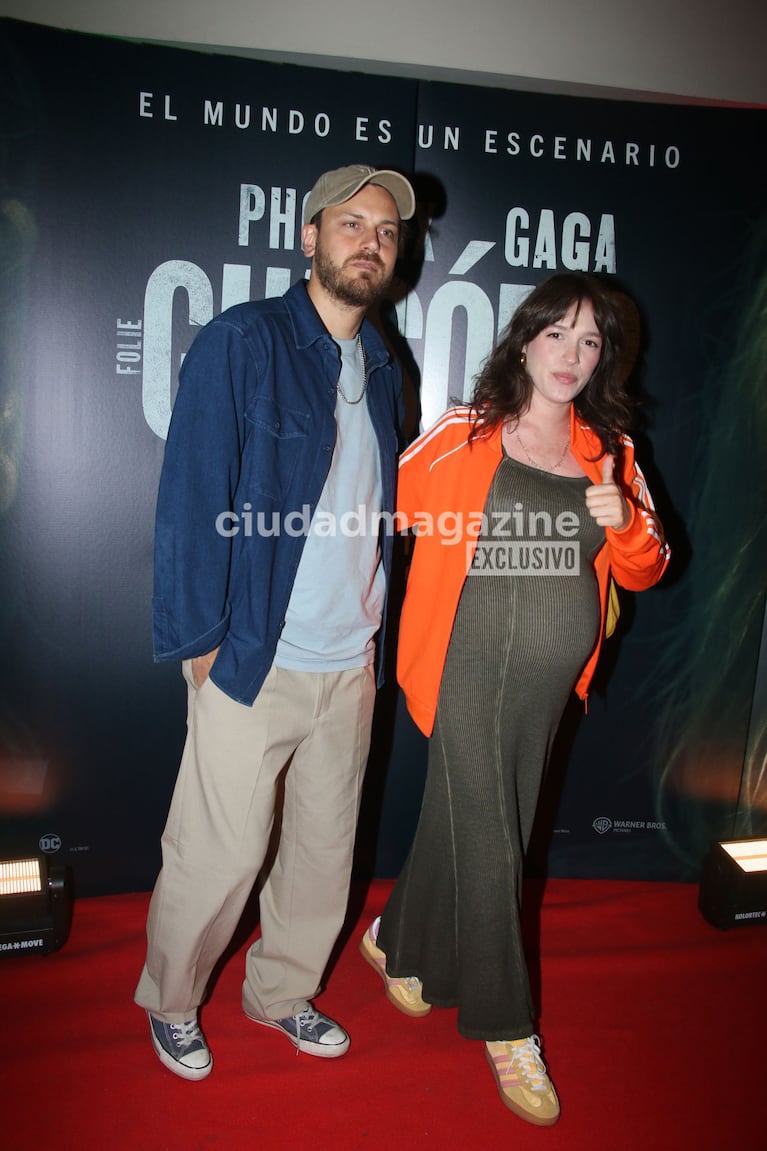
(733, 883)
(35, 906)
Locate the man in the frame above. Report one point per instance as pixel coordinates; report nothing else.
(270, 576)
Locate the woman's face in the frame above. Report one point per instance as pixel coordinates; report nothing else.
(562, 357)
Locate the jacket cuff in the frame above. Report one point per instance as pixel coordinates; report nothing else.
(167, 646)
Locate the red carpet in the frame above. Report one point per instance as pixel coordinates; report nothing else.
(654, 1026)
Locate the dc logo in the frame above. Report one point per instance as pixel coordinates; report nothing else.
(50, 843)
(602, 824)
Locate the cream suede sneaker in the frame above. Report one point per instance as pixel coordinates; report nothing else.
(523, 1082)
(405, 994)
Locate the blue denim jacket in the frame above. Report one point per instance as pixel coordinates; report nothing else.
(253, 431)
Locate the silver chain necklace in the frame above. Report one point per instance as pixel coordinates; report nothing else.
(535, 463)
(340, 390)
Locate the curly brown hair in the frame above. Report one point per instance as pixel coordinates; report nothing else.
(504, 388)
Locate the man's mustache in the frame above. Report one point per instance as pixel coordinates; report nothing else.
(371, 257)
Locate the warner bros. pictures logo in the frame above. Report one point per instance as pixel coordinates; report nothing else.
(602, 824)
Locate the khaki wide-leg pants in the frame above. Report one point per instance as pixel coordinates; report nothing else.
(218, 831)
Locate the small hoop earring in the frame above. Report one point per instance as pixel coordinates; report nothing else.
(523, 359)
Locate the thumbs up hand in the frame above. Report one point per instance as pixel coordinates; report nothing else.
(605, 501)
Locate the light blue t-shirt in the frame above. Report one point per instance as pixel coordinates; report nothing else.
(337, 599)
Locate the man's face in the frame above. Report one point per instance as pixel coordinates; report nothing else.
(354, 249)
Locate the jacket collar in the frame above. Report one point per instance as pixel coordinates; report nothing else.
(308, 328)
(584, 444)
(586, 447)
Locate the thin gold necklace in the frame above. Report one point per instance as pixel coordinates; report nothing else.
(542, 467)
(340, 390)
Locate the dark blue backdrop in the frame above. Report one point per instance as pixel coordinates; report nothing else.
(143, 189)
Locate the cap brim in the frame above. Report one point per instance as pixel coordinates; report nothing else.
(394, 183)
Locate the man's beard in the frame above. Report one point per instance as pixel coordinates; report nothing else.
(356, 290)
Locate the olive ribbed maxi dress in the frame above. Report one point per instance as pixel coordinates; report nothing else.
(525, 625)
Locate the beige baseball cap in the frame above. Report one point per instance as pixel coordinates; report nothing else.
(341, 184)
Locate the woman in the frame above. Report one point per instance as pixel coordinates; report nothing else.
(524, 504)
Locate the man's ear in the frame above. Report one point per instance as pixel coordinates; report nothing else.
(308, 239)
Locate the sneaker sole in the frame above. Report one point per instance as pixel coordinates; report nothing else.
(194, 1074)
(317, 1049)
(367, 953)
(528, 1116)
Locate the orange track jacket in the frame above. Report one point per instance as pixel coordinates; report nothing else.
(442, 489)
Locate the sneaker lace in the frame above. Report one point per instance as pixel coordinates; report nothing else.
(185, 1034)
(526, 1057)
(306, 1019)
